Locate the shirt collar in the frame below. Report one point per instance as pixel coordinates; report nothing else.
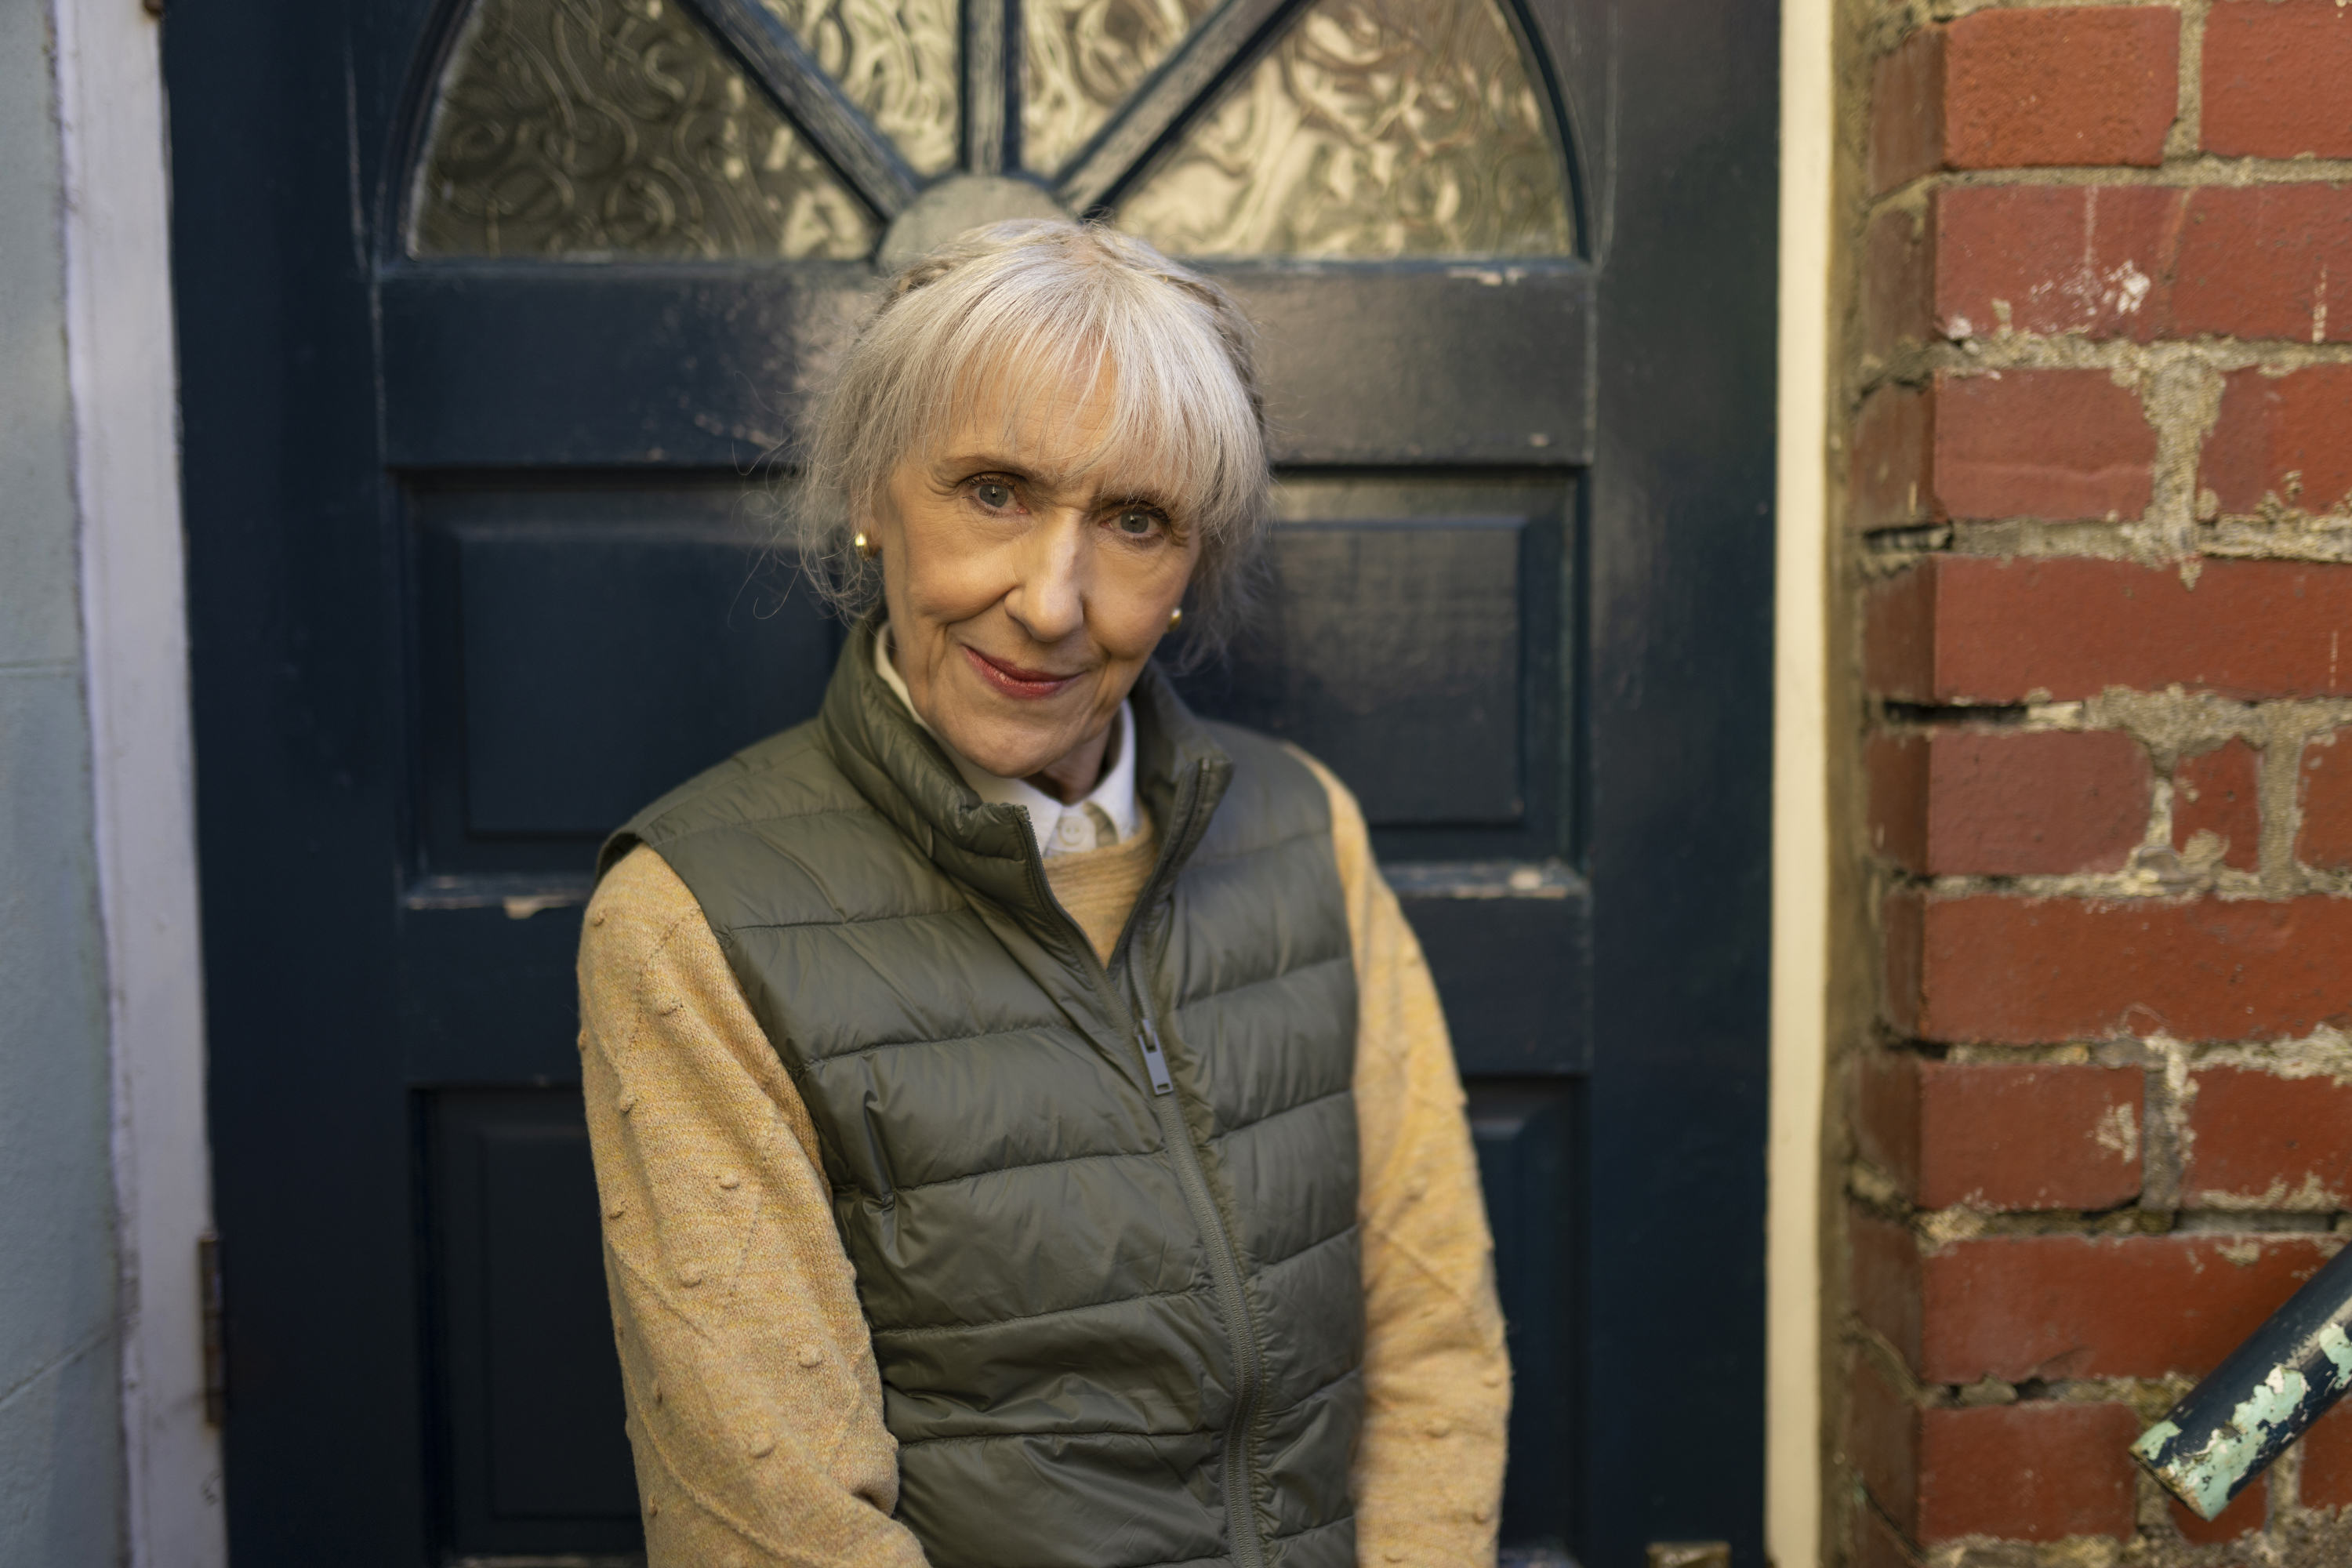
(1114, 797)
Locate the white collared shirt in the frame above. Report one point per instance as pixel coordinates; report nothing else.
(1105, 816)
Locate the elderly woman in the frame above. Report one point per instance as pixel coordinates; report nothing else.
(1027, 1135)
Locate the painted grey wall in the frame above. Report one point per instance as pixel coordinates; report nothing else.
(61, 1422)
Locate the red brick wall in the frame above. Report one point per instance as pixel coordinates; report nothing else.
(2099, 515)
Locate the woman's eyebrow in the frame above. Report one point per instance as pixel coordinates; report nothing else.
(986, 461)
(977, 462)
(1143, 495)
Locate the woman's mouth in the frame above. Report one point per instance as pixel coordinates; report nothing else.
(1016, 681)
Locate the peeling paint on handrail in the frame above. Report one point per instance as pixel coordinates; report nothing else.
(2213, 1444)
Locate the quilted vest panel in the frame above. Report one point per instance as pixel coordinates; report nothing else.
(1115, 1294)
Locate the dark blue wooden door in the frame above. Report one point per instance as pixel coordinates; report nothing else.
(491, 316)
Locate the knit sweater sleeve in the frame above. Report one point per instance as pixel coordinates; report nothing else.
(1428, 1478)
(754, 1406)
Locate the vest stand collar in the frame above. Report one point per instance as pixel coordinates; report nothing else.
(902, 773)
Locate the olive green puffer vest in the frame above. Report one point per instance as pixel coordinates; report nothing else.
(1103, 1219)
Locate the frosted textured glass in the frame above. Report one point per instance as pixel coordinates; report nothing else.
(895, 59)
(597, 128)
(1080, 60)
(1374, 128)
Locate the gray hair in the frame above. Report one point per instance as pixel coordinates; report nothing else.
(1052, 304)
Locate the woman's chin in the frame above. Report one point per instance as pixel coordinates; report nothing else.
(1008, 756)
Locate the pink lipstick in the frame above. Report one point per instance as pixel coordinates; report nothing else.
(1014, 681)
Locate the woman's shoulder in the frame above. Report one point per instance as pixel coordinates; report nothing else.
(1347, 816)
(640, 906)
(788, 771)
(1270, 762)
(1287, 787)
(789, 775)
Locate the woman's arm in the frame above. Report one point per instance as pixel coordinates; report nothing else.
(754, 1407)
(1428, 1478)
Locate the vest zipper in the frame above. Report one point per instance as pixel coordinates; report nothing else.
(1240, 1328)
(1156, 1061)
(1167, 1104)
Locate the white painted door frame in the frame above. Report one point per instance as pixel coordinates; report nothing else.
(124, 385)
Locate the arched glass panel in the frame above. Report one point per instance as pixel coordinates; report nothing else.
(591, 128)
(607, 128)
(1375, 128)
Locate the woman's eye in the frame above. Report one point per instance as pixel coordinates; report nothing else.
(994, 494)
(1137, 522)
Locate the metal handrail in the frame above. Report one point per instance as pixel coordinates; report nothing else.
(2213, 1444)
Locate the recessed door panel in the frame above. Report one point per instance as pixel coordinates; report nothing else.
(1411, 636)
(530, 1389)
(1394, 659)
(578, 643)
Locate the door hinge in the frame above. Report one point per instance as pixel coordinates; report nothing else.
(211, 1301)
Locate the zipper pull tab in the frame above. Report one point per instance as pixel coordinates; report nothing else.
(1156, 1061)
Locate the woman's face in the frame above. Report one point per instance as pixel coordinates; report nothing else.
(1025, 593)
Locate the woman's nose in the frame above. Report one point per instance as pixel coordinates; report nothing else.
(1049, 599)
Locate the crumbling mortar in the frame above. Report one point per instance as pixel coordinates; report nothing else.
(2252, 1216)
(2173, 725)
(2279, 532)
(1948, 10)
(2033, 537)
(2077, 1054)
(2202, 170)
(1987, 1391)
(2325, 1052)
(2179, 387)
(1938, 1229)
(2150, 1397)
(2285, 534)
(1968, 351)
(1892, 549)
(2324, 539)
(1945, 10)
(1876, 1190)
(1914, 719)
(2187, 134)
(2155, 874)
(2158, 835)
(2164, 1135)
(2297, 1541)
(2170, 1089)
(2180, 397)
(1982, 1551)
(2305, 1538)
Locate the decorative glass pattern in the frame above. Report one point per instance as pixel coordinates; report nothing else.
(895, 59)
(589, 127)
(1080, 58)
(1375, 128)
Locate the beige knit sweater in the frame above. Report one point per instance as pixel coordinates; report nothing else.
(753, 1403)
